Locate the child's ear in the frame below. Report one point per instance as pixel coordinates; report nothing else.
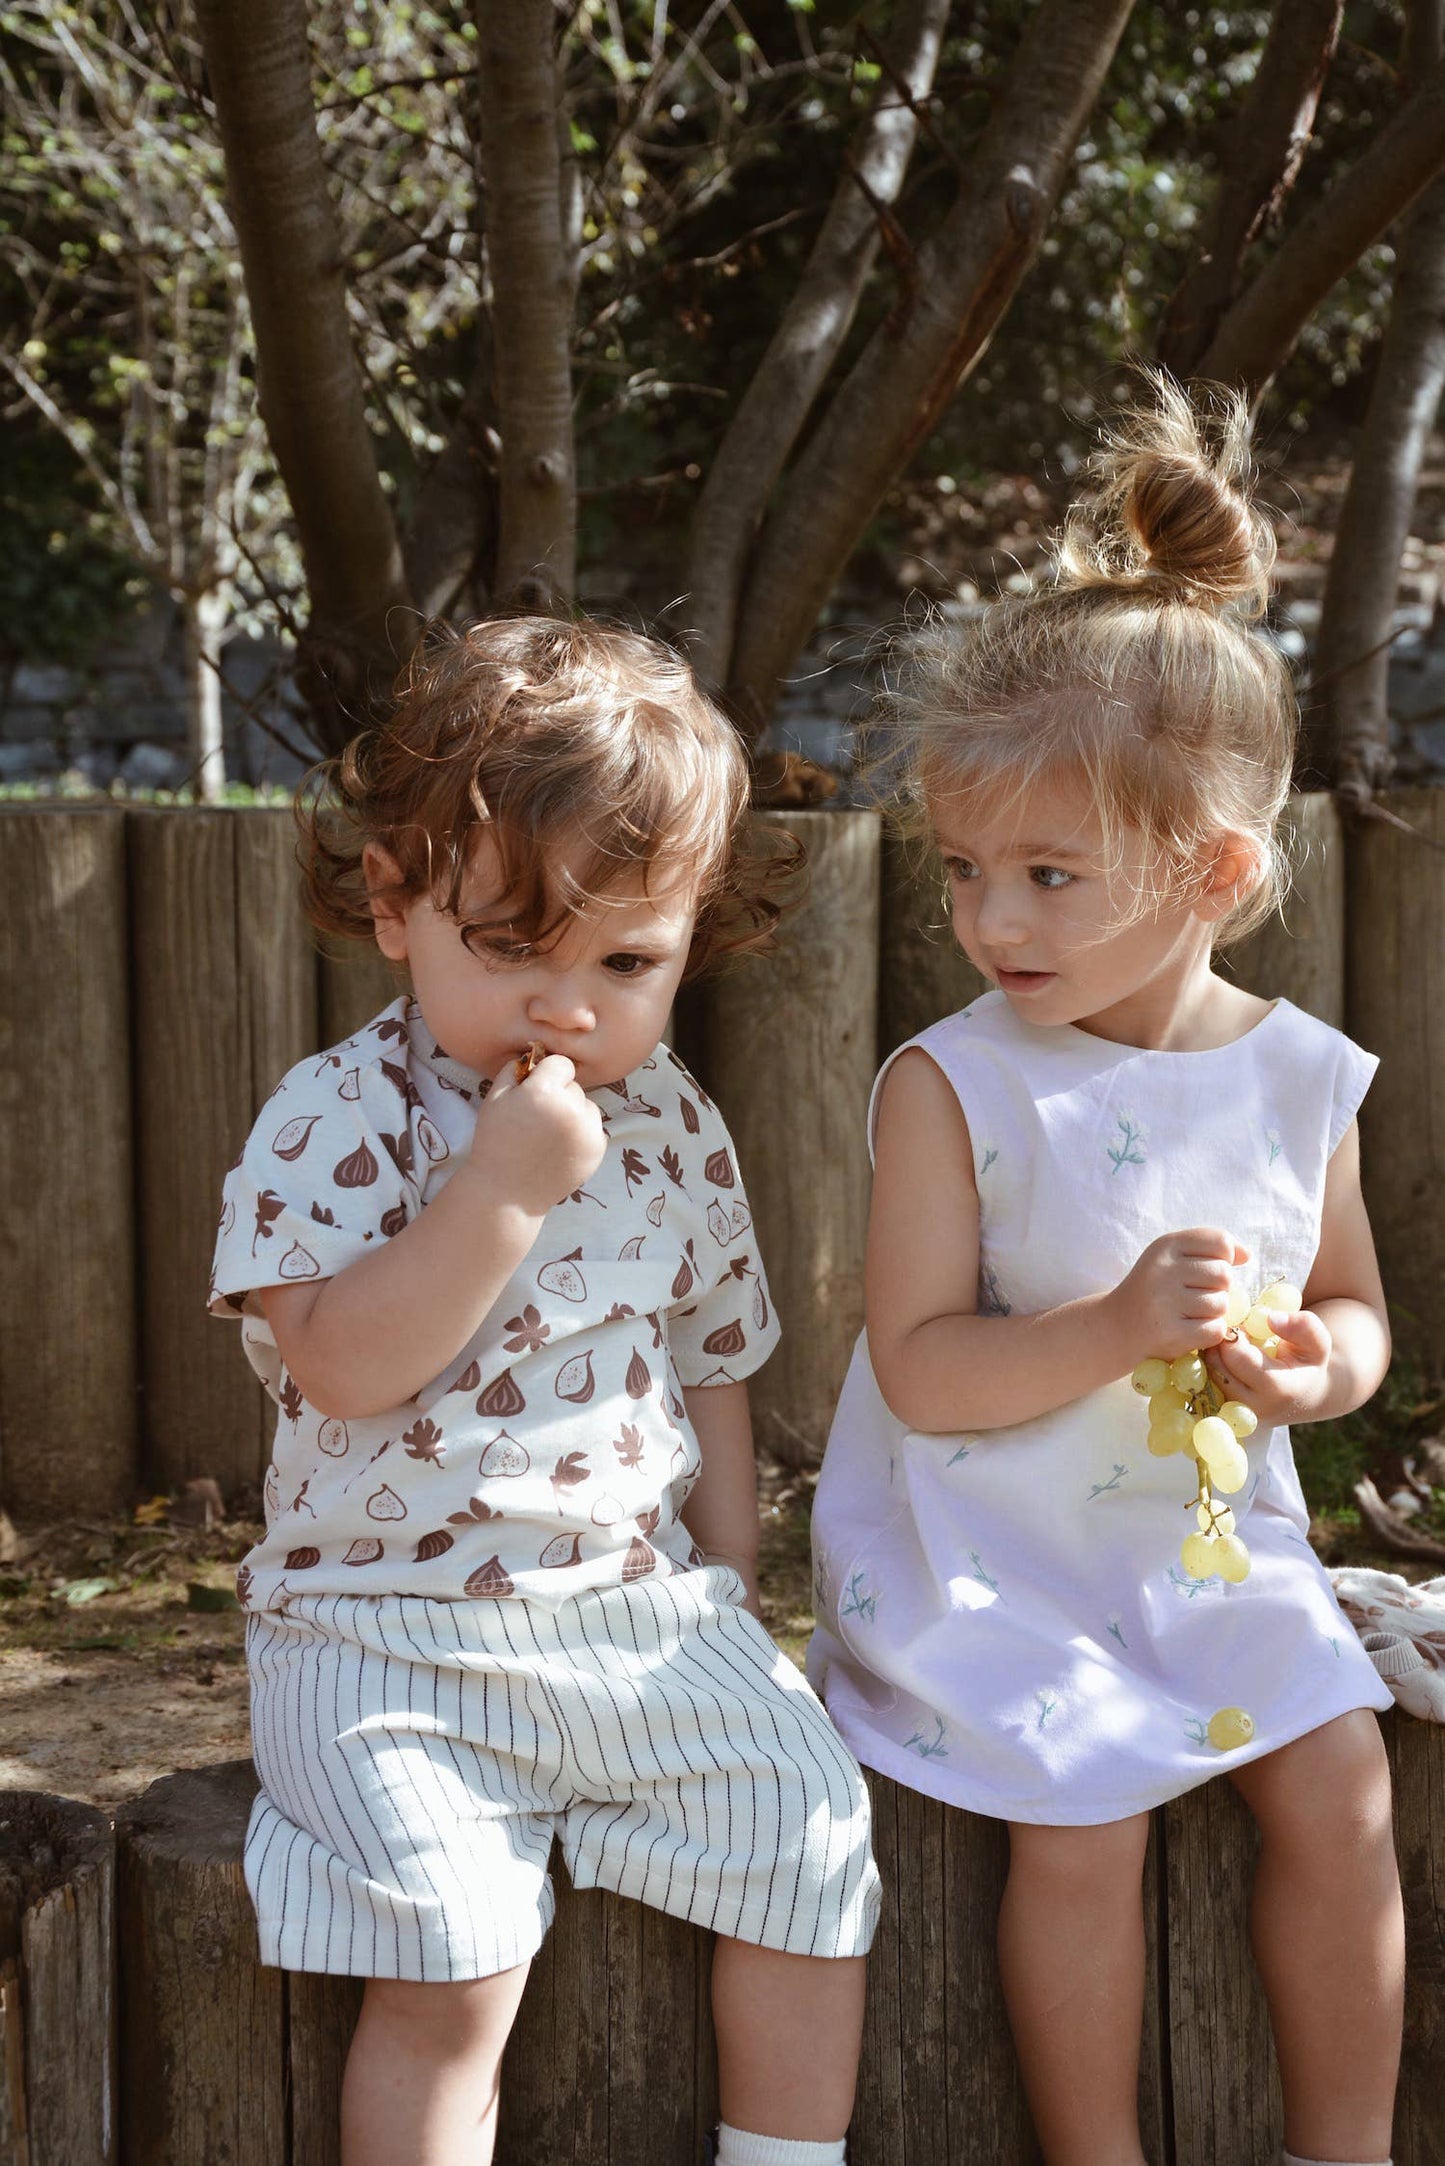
(388, 905)
(1228, 869)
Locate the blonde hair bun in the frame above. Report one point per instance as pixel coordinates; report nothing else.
(1169, 512)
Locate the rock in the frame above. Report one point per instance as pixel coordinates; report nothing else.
(33, 760)
(151, 767)
(199, 1504)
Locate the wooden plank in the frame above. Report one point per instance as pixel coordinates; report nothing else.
(790, 1058)
(225, 1002)
(1396, 1008)
(321, 2015)
(203, 2025)
(1223, 2080)
(1156, 2118)
(876, 2135)
(1299, 953)
(67, 1232)
(57, 1983)
(653, 1963)
(923, 974)
(1417, 1763)
(556, 2103)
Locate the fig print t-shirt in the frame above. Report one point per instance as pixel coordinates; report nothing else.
(554, 1453)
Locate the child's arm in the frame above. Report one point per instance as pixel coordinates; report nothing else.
(373, 1335)
(1333, 1355)
(943, 1367)
(722, 1512)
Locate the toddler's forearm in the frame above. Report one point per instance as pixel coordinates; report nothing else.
(988, 1372)
(374, 1335)
(1359, 1357)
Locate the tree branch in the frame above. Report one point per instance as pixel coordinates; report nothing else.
(771, 414)
(891, 399)
(259, 66)
(531, 296)
(1261, 159)
(1259, 329)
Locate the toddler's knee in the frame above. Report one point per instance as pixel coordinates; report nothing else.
(1077, 1866)
(465, 2019)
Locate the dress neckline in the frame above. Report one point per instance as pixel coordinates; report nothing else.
(1071, 1033)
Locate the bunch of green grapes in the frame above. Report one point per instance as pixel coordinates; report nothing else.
(1189, 1413)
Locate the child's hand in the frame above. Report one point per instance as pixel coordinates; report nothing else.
(1174, 1299)
(1284, 1387)
(539, 1139)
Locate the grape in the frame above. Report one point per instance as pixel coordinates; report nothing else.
(1213, 1439)
(1241, 1419)
(1237, 1307)
(1150, 1377)
(1164, 1443)
(1167, 1401)
(1231, 1472)
(1230, 1728)
(1215, 1518)
(1281, 1295)
(1188, 1373)
(1198, 1555)
(1233, 1559)
(1174, 1422)
(1256, 1325)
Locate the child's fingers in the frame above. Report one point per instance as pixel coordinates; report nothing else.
(1303, 1334)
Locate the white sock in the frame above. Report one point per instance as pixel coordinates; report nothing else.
(1287, 2158)
(736, 2148)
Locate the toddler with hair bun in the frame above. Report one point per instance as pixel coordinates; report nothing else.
(1118, 1176)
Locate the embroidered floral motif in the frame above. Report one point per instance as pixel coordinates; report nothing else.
(1129, 1151)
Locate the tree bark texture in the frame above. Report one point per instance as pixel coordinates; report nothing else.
(259, 64)
(1260, 162)
(531, 280)
(1259, 329)
(772, 411)
(450, 544)
(954, 294)
(57, 1983)
(67, 1231)
(1349, 725)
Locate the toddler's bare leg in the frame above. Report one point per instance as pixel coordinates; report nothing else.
(1329, 1934)
(1071, 1954)
(789, 2029)
(421, 2078)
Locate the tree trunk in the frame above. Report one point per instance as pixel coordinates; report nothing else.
(1261, 160)
(772, 411)
(955, 292)
(1262, 325)
(531, 299)
(259, 65)
(203, 619)
(451, 541)
(1348, 733)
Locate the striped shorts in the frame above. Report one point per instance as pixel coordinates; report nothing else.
(418, 1757)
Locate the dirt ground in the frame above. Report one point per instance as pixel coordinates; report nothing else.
(112, 1675)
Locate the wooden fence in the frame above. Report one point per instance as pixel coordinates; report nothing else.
(156, 978)
(144, 1937)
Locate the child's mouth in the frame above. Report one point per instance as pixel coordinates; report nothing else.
(1024, 981)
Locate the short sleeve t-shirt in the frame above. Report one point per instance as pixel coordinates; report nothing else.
(554, 1453)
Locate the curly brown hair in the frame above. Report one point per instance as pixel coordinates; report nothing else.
(543, 732)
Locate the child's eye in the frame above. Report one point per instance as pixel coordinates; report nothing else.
(960, 868)
(1051, 877)
(624, 965)
(492, 944)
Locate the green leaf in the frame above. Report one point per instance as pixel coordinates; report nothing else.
(77, 1591)
(200, 1596)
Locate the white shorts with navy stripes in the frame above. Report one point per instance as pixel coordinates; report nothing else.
(418, 1757)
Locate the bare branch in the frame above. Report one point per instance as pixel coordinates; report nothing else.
(1257, 170)
(260, 72)
(773, 410)
(1262, 325)
(532, 295)
(905, 376)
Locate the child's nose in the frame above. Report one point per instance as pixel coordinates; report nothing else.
(1001, 920)
(562, 1004)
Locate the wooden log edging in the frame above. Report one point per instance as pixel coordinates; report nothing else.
(224, 2063)
(57, 1983)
